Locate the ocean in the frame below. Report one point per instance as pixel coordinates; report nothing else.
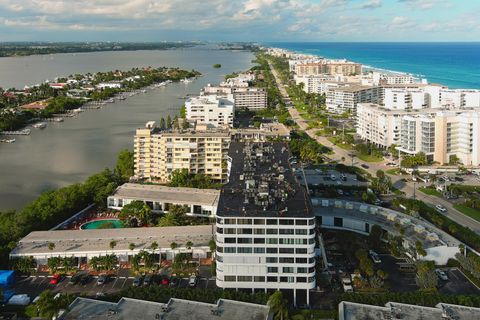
(454, 64)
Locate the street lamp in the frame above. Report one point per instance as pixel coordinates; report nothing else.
(414, 184)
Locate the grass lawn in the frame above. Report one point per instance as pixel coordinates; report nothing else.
(431, 192)
(472, 213)
(335, 141)
(369, 158)
(394, 171)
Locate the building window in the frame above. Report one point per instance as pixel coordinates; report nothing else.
(244, 221)
(272, 222)
(287, 269)
(259, 279)
(287, 222)
(244, 250)
(259, 250)
(259, 231)
(230, 240)
(230, 278)
(272, 231)
(272, 250)
(301, 260)
(272, 241)
(272, 279)
(230, 231)
(286, 231)
(244, 278)
(230, 221)
(300, 222)
(244, 231)
(287, 250)
(272, 260)
(286, 260)
(272, 269)
(258, 240)
(259, 221)
(301, 231)
(301, 251)
(230, 250)
(244, 240)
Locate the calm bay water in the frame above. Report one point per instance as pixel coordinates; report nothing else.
(456, 65)
(69, 152)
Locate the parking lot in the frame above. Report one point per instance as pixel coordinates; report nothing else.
(457, 283)
(34, 285)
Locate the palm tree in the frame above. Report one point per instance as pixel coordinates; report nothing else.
(278, 305)
(189, 245)
(113, 244)
(173, 246)
(131, 246)
(154, 246)
(51, 246)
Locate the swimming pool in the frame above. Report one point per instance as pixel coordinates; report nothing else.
(102, 224)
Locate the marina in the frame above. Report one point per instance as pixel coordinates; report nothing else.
(66, 153)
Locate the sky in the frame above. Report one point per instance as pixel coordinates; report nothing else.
(240, 20)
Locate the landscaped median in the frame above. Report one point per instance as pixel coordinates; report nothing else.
(471, 212)
(430, 191)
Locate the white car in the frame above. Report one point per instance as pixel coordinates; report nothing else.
(440, 208)
(442, 275)
(374, 256)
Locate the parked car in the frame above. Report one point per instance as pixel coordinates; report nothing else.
(442, 275)
(137, 281)
(173, 282)
(192, 282)
(75, 278)
(374, 256)
(85, 279)
(333, 177)
(365, 166)
(165, 281)
(102, 279)
(148, 280)
(56, 279)
(440, 208)
(343, 177)
(340, 192)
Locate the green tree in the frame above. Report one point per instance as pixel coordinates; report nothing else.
(212, 245)
(51, 246)
(278, 305)
(162, 124)
(189, 245)
(135, 209)
(131, 246)
(112, 244)
(125, 164)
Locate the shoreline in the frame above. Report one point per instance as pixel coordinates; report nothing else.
(458, 83)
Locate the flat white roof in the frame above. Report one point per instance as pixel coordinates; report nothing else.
(127, 308)
(71, 242)
(164, 194)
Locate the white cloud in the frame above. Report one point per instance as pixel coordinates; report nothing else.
(371, 4)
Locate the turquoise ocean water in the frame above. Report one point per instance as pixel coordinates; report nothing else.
(454, 64)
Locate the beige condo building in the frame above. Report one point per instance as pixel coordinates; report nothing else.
(159, 153)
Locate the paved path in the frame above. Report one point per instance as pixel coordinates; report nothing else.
(339, 154)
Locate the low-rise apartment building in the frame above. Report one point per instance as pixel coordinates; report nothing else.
(250, 98)
(340, 67)
(159, 153)
(198, 202)
(212, 110)
(440, 134)
(347, 96)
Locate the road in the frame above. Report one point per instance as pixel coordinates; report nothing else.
(342, 155)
